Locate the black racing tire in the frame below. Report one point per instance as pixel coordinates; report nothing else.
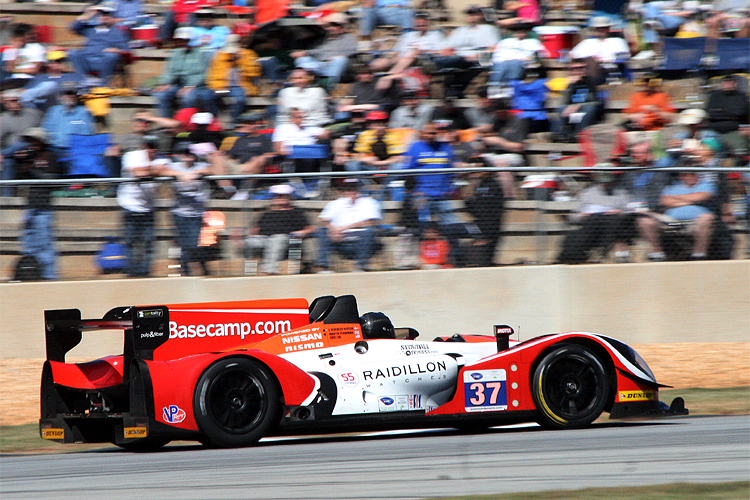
(236, 403)
(570, 387)
(144, 445)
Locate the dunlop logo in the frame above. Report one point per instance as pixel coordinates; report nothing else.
(637, 395)
(53, 433)
(135, 432)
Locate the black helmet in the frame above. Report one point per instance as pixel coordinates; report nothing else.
(376, 325)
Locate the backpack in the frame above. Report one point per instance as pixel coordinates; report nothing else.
(27, 269)
(112, 257)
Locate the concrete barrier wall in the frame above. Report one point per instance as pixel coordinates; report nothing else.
(637, 303)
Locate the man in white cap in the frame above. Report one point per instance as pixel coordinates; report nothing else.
(276, 226)
(183, 80)
(603, 47)
(349, 227)
(137, 200)
(105, 43)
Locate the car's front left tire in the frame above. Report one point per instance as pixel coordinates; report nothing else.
(236, 402)
(570, 387)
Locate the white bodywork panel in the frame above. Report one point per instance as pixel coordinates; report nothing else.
(392, 375)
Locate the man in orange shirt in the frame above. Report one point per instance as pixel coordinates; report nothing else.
(650, 108)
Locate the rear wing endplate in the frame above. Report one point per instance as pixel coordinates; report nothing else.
(146, 328)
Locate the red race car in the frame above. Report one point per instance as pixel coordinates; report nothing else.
(229, 373)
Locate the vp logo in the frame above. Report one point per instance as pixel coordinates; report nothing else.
(173, 414)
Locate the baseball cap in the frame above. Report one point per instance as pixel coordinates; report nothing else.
(691, 116)
(183, 33)
(336, 18)
(281, 190)
(37, 133)
(600, 22)
(204, 118)
(473, 9)
(376, 116)
(252, 117)
(232, 44)
(56, 55)
(105, 7)
(350, 184)
(12, 94)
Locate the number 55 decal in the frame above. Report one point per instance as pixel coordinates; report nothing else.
(485, 390)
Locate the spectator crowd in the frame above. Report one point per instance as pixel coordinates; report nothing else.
(423, 96)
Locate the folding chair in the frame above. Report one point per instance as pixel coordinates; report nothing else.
(310, 152)
(681, 54)
(734, 54)
(86, 155)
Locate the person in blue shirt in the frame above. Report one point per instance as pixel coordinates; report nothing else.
(206, 34)
(68, 117)
(432, 151)
(433, 193)
(686, 201)
(105, 43)
(529, 98)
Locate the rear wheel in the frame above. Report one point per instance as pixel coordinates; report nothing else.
(236, 402)
(570, 387)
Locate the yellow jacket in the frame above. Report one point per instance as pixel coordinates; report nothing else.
(219, 70)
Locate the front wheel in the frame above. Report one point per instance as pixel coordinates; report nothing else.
(570, 387)
(236, 402)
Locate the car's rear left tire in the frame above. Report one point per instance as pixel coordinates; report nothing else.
(570, 387)
(236, 402)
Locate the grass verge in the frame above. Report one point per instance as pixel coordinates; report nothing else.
(681, 491)
(730, 401)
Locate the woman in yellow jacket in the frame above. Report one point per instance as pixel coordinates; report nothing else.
(230, 74)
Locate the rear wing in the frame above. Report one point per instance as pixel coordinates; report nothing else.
(146, 328)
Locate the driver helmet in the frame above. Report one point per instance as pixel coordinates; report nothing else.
(376, 325)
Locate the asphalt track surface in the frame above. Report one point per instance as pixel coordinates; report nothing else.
(409, 465)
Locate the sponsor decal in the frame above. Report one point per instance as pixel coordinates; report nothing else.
(338, 333)
(135, 432)
(485, 390)
(415, 349)
(303, 342)
(293, 339)
(349, 379)
(386, 404)
(404, 370)
(53, 433)
(636, 396)
(229, 329)
(150, 313)
(151, 335)
(400, 403)
(173, 414)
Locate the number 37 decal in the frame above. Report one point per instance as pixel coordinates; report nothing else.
(485, 390)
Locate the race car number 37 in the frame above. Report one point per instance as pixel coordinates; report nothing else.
(485, 390)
